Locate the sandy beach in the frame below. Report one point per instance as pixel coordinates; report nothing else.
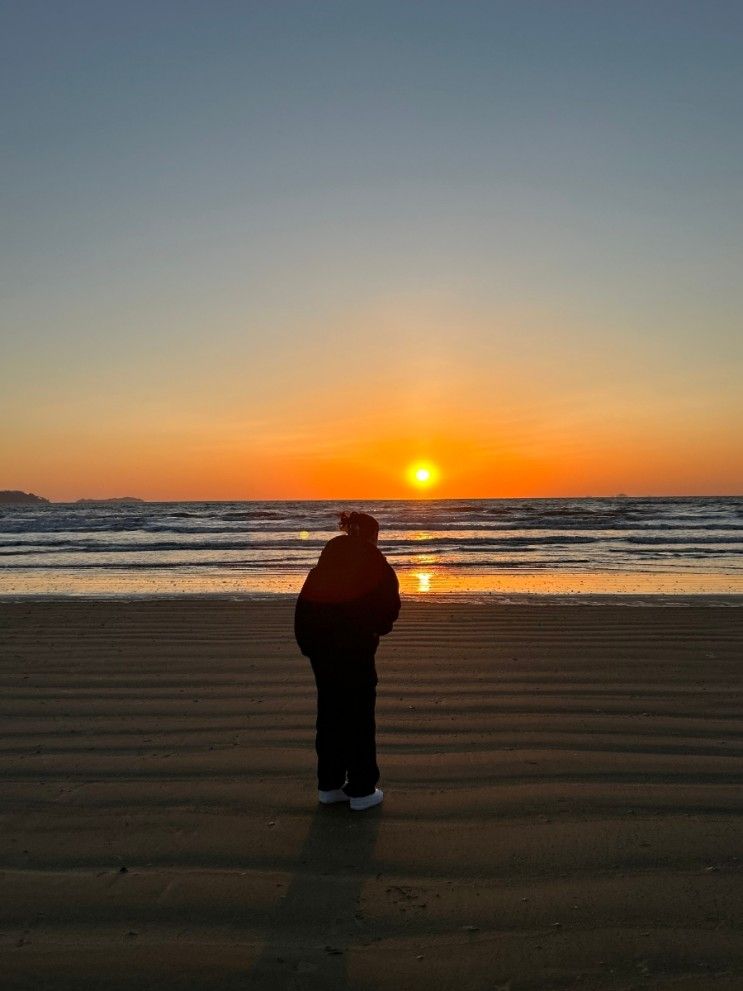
(563, 802)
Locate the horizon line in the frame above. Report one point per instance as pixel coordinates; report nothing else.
(412, 498)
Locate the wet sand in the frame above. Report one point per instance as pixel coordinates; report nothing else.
(563, 802)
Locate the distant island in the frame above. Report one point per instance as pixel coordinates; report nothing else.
(115, 499)
(24, 498)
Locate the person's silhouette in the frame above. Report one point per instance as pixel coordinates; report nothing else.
(348, 601)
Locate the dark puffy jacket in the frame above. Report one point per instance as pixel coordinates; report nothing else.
(348, 601)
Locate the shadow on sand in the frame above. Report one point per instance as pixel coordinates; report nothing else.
(318, 919)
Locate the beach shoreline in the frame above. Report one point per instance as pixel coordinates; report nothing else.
(563, 804)
(655, 600)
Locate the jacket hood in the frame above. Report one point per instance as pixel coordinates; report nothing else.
(348, 568)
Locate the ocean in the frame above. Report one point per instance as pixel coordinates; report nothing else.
(676, 547)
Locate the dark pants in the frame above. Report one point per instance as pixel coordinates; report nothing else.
(345, 740)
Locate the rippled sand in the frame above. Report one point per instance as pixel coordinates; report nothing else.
(563, 802)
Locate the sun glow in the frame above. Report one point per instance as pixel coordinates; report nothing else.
(423, 474)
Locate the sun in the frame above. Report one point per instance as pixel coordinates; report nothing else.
(423, 474)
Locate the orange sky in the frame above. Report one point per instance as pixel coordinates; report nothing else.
(514, 448)
(505, 405)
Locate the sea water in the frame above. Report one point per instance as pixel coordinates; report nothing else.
(535, 547)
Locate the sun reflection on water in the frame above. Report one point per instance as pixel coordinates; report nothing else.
(424, 580)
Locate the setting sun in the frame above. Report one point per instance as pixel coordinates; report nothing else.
(423, 475)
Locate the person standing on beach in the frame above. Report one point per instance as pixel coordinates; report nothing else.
(348, 601)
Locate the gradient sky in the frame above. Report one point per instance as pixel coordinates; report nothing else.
(284, 249)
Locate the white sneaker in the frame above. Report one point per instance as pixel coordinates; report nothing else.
(330, 797)
(367, 801)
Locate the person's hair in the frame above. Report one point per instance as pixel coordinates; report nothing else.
(358, 524)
